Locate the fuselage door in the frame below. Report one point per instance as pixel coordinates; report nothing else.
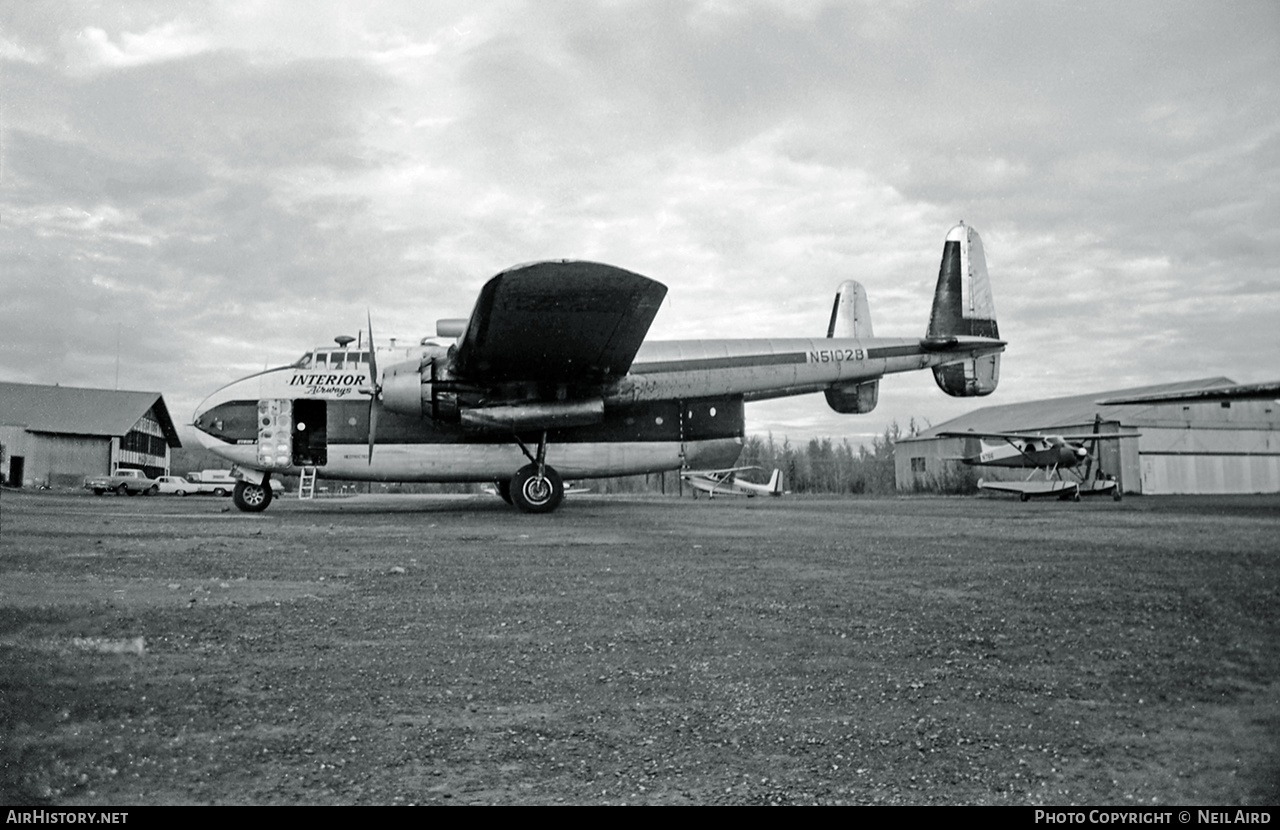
(310, 433)
(292, 433)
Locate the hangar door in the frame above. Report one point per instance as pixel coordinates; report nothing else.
(1168, 473)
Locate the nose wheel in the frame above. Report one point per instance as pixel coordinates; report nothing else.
(251, 498)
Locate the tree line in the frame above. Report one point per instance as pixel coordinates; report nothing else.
(822, 465)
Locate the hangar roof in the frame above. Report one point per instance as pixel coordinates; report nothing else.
(68, 410)
(1072, 410)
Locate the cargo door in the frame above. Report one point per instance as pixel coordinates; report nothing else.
(310, 433)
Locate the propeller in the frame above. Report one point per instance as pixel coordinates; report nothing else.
(1097, 426)
(375, 389)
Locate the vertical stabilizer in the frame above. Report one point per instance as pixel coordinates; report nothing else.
(851, 317)
(963, 305)
(775, 483)
(851, 314)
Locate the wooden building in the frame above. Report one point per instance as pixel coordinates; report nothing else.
(59, 435)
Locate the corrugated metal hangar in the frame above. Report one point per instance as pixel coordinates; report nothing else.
(1203, 447)
(59, 435)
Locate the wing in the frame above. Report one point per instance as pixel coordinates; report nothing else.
(1040, 436)
(1097, 436)
(1007, 436)
(565, 321)
(725, 471)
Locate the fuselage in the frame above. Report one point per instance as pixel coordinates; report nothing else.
(681, 404)
(1028, 452)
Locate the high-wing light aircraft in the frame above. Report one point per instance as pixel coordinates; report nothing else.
(550, 377)
(727, 482)
(1243, 391)
(1050, 454)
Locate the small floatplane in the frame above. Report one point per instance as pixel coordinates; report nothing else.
(1047, 454)
(727, 482)
(549, 377)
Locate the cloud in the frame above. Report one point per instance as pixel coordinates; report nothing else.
(229, 184)
(92, 49)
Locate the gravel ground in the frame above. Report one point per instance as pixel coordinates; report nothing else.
(411, 650)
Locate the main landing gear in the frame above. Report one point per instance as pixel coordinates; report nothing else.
(536, 487)
(252, 498)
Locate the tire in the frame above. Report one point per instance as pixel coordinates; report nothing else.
(251, 498)
(220, 492)
(98, 491)
(153, 489)
(1024, 497)
(534, 493)
(504, 490)
(122, 490)
(179, 492)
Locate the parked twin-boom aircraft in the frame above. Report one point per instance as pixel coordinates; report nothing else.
(550, 378)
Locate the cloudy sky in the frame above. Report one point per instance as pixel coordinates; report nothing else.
(217, 186)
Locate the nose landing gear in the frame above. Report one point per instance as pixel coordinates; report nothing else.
(252, 498)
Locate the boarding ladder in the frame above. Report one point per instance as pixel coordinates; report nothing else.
(307, 483)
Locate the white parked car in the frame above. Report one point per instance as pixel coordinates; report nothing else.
(176, 486)
(179, 486)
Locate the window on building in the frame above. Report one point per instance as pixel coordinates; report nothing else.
(917, 465)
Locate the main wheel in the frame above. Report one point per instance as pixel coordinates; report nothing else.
(251, 498)
(534, 493)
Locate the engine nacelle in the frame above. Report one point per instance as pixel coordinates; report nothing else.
(974, 377)
(412, 388)
(406, 388)
(853, 398)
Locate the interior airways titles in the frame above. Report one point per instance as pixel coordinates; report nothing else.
(551, 378)
(337, 385)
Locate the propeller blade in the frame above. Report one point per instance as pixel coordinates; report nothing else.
(1093, 450)
(375, 388)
